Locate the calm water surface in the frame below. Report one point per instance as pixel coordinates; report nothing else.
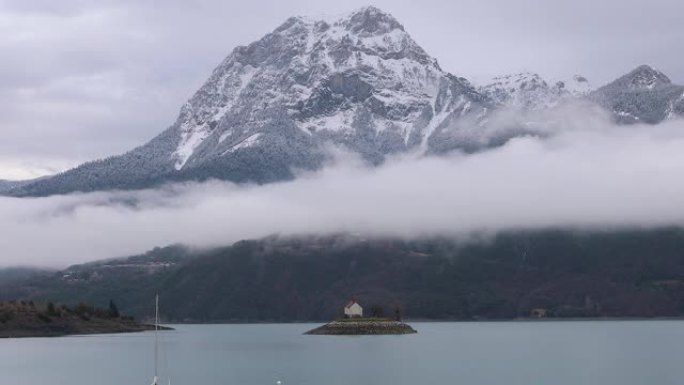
(524, 353)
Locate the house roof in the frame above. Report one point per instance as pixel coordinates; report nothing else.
(349, 304)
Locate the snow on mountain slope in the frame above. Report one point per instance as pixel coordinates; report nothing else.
(643, 95)
(645, 77)
(675, 108)
(576, 86)
(523, 90)
(530, 91)
(359, 82)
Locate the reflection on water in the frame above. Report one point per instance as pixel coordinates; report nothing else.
(572, 353)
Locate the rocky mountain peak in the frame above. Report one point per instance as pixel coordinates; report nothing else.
(521, 80)
(646, 77)
(530, 91)
(520, 90)
(323, 76)
(644, 95)
(359, 82)
(371, 21)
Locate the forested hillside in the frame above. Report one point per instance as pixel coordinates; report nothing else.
(567, 274)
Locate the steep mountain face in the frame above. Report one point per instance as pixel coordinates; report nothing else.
(644, 95)
(529, 91)
(270, 108)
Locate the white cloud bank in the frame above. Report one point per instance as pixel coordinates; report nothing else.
(590, 175)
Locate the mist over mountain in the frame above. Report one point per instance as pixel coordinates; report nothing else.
(581, 174)
(274, 108)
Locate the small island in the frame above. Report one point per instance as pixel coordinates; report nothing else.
(29, 319)
(355, 324)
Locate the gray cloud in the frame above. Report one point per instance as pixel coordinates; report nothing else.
(584, 173)
(81, 80)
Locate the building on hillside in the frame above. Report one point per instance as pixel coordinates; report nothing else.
(353, 310)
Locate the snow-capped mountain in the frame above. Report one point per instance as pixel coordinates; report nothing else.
(269, 108)
(529, 91)
(643, 95)
(360, 82)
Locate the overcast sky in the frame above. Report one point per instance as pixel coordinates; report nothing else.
(81, 80)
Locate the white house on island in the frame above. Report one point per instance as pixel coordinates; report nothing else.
(353, 310)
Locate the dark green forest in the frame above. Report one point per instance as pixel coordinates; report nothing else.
(635, 273)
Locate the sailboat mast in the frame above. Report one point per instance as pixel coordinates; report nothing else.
(156, 337)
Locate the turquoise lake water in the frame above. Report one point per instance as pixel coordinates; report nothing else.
(524, 353)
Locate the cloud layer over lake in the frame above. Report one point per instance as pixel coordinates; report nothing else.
(586, 174)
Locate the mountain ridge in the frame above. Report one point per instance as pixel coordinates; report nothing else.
(642, 95)
(359, 82)
(529, 91)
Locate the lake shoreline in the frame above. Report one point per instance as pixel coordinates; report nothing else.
(358, 327)
(24, 333)
(421, 320)
(22, 319)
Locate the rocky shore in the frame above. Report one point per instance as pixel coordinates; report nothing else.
(363, 327)
(27, 319)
